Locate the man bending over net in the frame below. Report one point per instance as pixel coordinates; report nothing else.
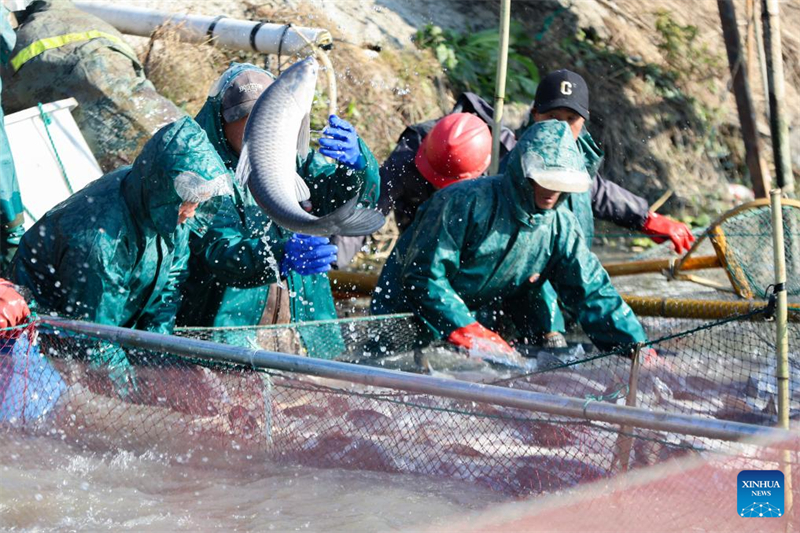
(483, 248)
(116, 252)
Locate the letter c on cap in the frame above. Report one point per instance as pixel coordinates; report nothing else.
(566, 87)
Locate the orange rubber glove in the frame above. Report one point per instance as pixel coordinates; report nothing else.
(476, 336)
(661, 228)
(13, 309)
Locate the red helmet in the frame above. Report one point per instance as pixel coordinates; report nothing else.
(459, 147)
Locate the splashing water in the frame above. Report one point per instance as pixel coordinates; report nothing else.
(271, 261)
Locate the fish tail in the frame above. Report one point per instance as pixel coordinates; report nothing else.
(350, 221)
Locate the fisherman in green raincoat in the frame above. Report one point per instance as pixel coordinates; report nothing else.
(116, 252)
(240, 253)
(481, 249)
(563, 95)
(63, 52)
(10, 202)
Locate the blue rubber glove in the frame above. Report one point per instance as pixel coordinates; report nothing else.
(343, 143)
(306, 255)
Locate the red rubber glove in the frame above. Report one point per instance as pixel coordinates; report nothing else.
(662, 228)
(476, 336)
(13, 309)
(649, 358)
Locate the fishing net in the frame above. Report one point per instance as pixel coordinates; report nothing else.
(688, 494)
(740, 242)
(202, 411)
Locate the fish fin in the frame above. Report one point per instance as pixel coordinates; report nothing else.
(350, 221)
(301, 189)
(243, 168)
(304, 136)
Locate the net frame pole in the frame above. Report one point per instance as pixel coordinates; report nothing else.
(624, 441)
(781, 337)
(551, 404)
(712, 233)
(700, 309)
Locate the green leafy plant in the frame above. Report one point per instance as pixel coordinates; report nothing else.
(470, 60)
(682, 51)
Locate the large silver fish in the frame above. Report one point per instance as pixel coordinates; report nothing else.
(277, 129)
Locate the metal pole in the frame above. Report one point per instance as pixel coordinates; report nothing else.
(415, 383)
(500, 86)
(778, 125)
(781, 337)
(759, 175)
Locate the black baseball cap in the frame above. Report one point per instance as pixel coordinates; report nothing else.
(562, 88)
(240, 97)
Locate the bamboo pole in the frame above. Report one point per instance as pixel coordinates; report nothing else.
(627, 268)
(500, 85)
(330, 77)
(781, 339)
(364, 283)
(448, 388)
(698, 309)
(759, 175)
(346, 284)
(778, 125)
(625, 441)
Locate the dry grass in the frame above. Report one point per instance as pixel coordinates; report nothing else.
(180, 71)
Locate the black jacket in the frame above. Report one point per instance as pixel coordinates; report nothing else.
(403, 188)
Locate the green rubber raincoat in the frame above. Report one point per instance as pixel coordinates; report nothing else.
(10, 201)
(113, 253)
(235, 256)
(483, 244)
(580, 205)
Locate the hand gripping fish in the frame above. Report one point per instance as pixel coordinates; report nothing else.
(277, 129)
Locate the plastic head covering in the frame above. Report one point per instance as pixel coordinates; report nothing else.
(459, 147)
(192, 188)
(177, 165)
(552, 158)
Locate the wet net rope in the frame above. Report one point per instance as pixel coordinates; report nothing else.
(47, 121)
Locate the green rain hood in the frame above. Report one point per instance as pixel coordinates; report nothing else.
(483, 243)
(113, 253)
